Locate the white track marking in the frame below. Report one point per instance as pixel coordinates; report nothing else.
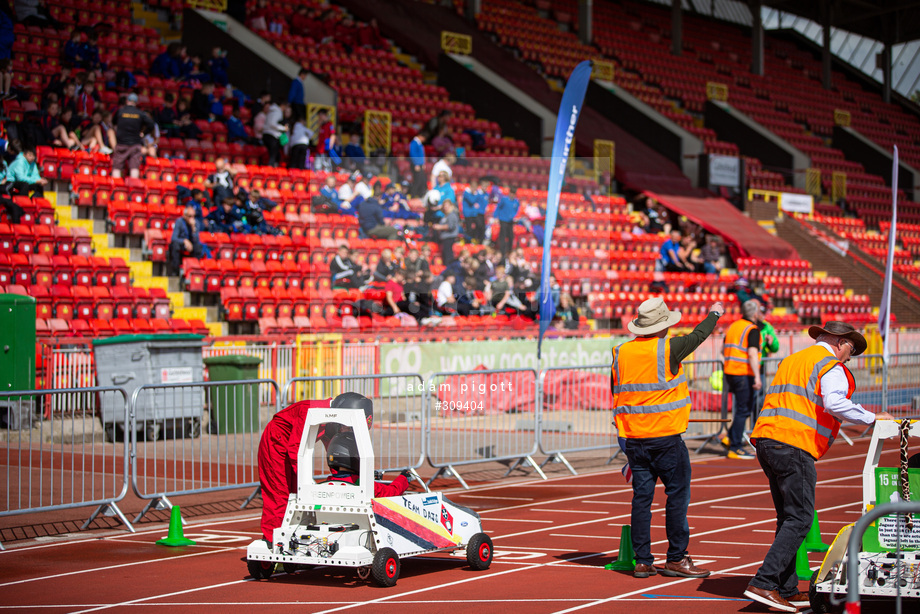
(142, 599)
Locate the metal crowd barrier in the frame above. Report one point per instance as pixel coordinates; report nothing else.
(481, 416)
(197, 437)
(399, 417)
(58, 455)
(575, 412)
(277, 361)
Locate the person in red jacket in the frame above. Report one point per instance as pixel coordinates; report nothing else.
(345, 462)
(278, 452)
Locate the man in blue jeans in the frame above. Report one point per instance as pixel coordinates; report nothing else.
(651, 402)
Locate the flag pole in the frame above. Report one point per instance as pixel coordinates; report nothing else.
(884, 316)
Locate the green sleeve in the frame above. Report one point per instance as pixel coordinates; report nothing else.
(683, 346)
(769, 330)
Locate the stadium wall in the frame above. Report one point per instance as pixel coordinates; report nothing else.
(876, 160)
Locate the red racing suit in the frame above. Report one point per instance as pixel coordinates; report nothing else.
(381, 489)
(278, 460)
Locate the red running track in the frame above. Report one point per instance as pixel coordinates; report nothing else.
(551, 541)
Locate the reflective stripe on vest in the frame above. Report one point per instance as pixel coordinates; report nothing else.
(794, 413)
(648, 403)
(735, 349)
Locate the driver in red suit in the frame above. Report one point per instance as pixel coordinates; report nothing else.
(345, 463)
(278, 452)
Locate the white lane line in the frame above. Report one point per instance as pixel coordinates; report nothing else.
(120, 565)
(568, 511)
(718, 517)
(517, 520)
(143, 599)
(491, 497)
(739, 508)
(610, 502)
(704, 541)
(585, 536)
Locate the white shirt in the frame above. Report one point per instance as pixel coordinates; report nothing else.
(300, 135)
(834, 388)
(363, 189)
(445, 293)
(345, 192)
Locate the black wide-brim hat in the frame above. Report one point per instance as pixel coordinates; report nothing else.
(841, 329)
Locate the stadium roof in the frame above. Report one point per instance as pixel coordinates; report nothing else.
(888, 21)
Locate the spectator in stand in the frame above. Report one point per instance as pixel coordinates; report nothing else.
(220, 182)
(417, 291)
(442, 166)
(328, 201)
(202, 100)
(394, 300)
(417, 157)
(56, 82)
(69, 99)
(258, 122)
(445, 188)
(415, 264)
(395, 204)
(300, 143)
(184, 242)
(260, 17)
(688, 258)
(35, 13)
(437, 123)
(218, 66)
(301, 24)
(271, 133)
(131, 124)
(442, 142)
(567, 313)
(325, 130)
(354, 153)
(169, 63)
(386, 266)
(371, 220)
(744, 292)
(505, 212)
(670, 260)
(73, 50)
(96, 137)
(165, 116)
(24, 176)
(449, 230)
(53, 131)
(226, 217)
(474, 201)
(252, 210)
(504, 299)
(184, 121)
(236, 130)
(447, 302)
(122, 78)
(344, 273)
(296, 92)
(711, 255)
(198, 200)
(333, 147)
(369, 35)
(86, 101)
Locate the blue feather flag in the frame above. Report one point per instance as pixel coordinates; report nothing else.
(569, 109)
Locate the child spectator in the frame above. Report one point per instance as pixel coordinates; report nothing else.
(24, 176)
(273, 130)
(53, 131)
(226, 217)
(355, 153)
(446, 302)
(475, 201)
(300, 144)
(73, 50)
(220, 182)
(218, 66)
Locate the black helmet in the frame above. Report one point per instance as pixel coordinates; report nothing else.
(342, 453)
(354, 400)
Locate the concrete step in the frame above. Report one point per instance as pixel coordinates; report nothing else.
(177, 299)
(192, 313)
(141, 269)
(115, 252)
(64, 215)
(217, 329)
(152, 282)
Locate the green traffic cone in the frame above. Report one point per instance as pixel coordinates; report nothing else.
(626, 559)
(802, 570)
(176, 536)
(813, 541)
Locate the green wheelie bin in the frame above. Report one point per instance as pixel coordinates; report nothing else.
(234, 407)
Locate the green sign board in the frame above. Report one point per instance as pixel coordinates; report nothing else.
(428, 358)
(882, 535)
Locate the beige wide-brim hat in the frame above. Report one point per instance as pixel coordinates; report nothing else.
(841, 329)
(653, 316)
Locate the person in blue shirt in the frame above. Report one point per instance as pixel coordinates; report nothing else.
(296, 92)
(74, 51)
(669, 260)
(236, 130)
(226, 217)
(371, 220)
(185, 241)
(217, 66)
(445, 188)
(417, 156)
(474, 201)
(198, 200)
(355, 153)
(395, 204)
(505, 212)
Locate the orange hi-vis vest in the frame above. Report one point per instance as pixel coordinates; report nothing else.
(793, 410)
(648, 400)
(735, 349)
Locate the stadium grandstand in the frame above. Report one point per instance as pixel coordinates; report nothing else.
(318, 106)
